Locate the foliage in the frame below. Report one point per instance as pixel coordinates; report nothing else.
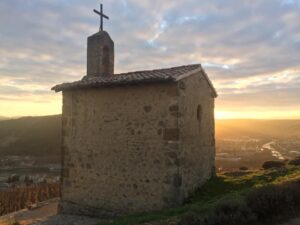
(244, 168)
(273, 164)
(233, 212)
(10, 221)
(226, 212)
(295, 162)
(274, 201)
(14, 222)
(191, 218)
(267, 204)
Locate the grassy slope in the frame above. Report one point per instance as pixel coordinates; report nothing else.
(223, 186)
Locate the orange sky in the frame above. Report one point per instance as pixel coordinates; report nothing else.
(30, 108)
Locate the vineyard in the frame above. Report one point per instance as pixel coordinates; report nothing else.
(18, 198)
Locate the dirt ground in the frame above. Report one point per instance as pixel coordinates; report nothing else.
(24, 217)
(45, 214)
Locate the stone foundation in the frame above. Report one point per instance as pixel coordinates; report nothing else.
(71, 208)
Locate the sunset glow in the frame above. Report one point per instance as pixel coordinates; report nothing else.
(272, 114)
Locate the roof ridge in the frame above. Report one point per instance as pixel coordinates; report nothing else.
(154, 70)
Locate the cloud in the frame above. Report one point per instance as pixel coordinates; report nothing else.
(250, 49)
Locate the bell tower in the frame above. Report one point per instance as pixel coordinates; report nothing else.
(100, 55)
(100, 51)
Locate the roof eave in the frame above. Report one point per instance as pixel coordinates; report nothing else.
(200, 69)
(210, 83)
(77, 85)
(60, 87)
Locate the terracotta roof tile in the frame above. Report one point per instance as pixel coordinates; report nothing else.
(138, 77)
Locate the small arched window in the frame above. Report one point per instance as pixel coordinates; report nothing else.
(199, 113)
(105, 59)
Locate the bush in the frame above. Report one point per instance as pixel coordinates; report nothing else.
(191, 219)
(263, 205)
(243, 168)
(227, 212)
(232, 212)
(12, 221)
(16, 223)
(273, 164)
(273, 202)
(295, 162)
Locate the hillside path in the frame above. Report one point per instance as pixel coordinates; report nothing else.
(46, 215)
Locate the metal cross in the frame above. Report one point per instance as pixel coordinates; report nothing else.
(101, 14)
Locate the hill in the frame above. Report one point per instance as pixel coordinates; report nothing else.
(36, 136)
(281, 129)
(3, 118)
(41, 136)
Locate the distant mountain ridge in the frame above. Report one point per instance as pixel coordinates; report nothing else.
(3, 118)
(37, 136)
(41, 136)
(282, 129)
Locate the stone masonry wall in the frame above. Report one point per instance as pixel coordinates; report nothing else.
(136, 148)
(120, 148)
(100, 55)
(197, 138)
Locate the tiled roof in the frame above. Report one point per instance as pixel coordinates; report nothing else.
(138, 77)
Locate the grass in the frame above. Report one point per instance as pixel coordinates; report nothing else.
(226, 185)
(10, 221)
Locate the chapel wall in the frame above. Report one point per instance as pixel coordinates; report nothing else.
(120, 147)
(197, 132)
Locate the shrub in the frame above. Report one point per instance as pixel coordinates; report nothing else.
(16, 223)
(273, 164)
(272, 202)
(12, 221)
(243, 168)
(263, 205)
(227, 212)
(295, 162)
(191, 219)
(232, 212)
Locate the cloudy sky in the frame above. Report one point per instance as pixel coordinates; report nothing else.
(250, 49)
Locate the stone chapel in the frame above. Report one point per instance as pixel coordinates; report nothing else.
(134, 142)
